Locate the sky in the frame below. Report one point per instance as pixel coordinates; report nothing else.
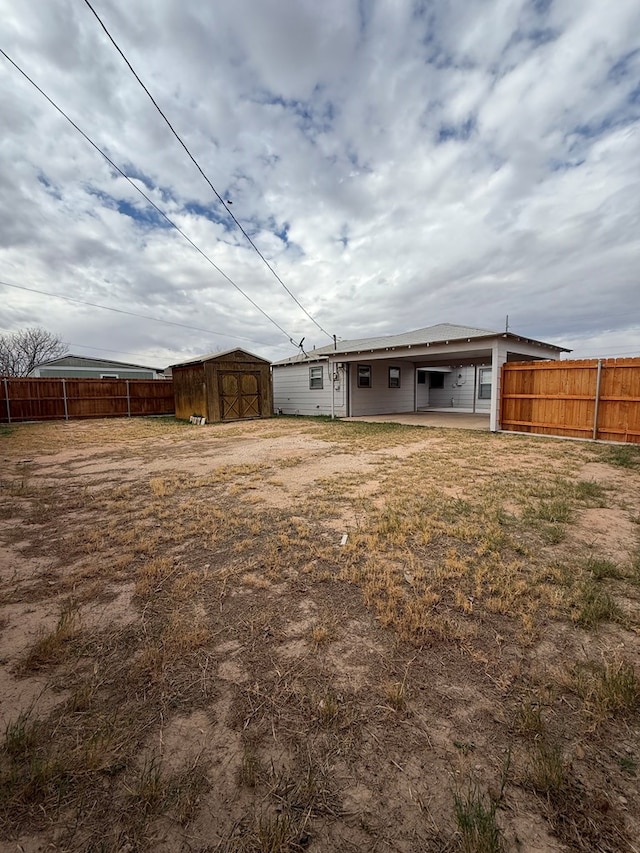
(398, 164)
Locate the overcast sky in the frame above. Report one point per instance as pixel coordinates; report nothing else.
(399, 164)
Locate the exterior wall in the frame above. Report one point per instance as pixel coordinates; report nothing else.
(380, 399)
(197, 386)
(422, 394)
(292, 395)
(189, 391)
(93, 373)
(460, 387)
(237, 363)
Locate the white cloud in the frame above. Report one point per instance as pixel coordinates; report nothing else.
(400, 164)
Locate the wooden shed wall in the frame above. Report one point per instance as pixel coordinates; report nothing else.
(200, 389)
(189, 391)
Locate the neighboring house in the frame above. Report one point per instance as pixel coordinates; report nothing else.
(83, 367)
(450, 367)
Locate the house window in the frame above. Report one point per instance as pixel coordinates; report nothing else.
(315, 378)
(109, 376)
(484, 383)
(436, 380)
(394, 377)
(422, 377)
(364, 376)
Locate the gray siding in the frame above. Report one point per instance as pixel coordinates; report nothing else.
(85, 373)
(292, 395)
(380, 399)
(458, 391)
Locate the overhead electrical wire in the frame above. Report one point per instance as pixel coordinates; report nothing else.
(146, 197)
(128, 313)
(201, 170)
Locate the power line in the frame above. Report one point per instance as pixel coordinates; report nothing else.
(146, 197)
(199, 168)
(128, 313)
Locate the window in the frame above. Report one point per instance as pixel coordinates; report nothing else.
(394, 377)
(484, 383)
(436, 380)
(315, 377)
(422, 377)
(109, 376)
(364, 376)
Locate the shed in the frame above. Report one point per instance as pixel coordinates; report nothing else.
(223, 386)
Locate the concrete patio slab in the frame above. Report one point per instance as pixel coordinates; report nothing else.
(450, 420)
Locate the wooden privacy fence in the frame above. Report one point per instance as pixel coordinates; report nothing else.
(595, 398)
(55, 399)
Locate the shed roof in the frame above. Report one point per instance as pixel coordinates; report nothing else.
(441, 333)
(216, 356)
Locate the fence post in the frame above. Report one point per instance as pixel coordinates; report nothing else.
(597, 401)
(128, 400)
(6, 394)
(64, 395)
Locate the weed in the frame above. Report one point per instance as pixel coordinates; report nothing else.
(465, 747)
(148, 790)
(596, 606)
(600, 568)
(20, 736)
(321, 634)
(547, 771)
(475, 816)
(328, 708)
(557, 511)
(591, 492)
(250, 767)
(51, 648)
(607, 689)
(622, 456)
(396, 695)
(628, 765)
(528, 721)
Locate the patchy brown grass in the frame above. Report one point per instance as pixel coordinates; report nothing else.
(295, 634)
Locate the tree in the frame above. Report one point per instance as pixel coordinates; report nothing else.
(21, 351)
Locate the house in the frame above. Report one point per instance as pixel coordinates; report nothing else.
(456, 368)
(223, 386)
(85, 367)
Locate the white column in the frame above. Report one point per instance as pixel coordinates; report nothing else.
(498, 358)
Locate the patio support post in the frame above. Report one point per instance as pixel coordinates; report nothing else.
(498, 358)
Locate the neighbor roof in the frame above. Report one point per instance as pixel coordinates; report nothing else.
(198, 359)
(441, 333)
(88, 361)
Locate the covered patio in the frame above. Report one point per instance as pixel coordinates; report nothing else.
(447, 420)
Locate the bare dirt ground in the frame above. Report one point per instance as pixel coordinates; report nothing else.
(292, 635)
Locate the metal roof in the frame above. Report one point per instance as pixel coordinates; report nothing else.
(198, 359)
(71, 360)
(441, 333)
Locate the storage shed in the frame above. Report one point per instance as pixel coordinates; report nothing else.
(223, 386)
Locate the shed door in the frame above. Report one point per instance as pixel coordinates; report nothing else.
(239, 395)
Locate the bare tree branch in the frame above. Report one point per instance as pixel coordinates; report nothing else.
(21, 352)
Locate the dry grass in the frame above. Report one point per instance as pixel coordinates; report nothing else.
(262, 686)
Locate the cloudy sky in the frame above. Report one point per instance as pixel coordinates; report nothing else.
(398, 163)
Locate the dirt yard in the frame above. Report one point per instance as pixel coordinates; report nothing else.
(293, 635)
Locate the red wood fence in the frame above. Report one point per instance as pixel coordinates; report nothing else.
(55, 399)
(595, 398)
